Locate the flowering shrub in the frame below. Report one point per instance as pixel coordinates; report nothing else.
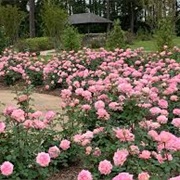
(126, 112)
(123, 111)
(25, 135)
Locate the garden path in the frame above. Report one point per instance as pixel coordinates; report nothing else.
(42, 102)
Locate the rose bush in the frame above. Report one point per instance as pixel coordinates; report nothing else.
(122, 108)
(25, 137)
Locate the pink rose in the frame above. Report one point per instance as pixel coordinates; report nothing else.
(124, 135)
(176, 122)
(65, 144)
(175, 178)
(134, 149)
(120, 157)
(155, 110)
(123, 176)
(176, 111)
(28, 124)
(145, 154)
(43, 159)
(8, 110)
(54, 152)
(162, 119)
(18, 115)
(99, 105)
(49, 116)
(2, 127)
(97, 152)
(143, 176)
(6, 168)
(88, 150)
(36, 114)
(102, 114)
(85, 175)
(163, 103)
(105, 167)
(22, 98)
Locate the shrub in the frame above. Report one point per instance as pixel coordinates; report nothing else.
(116, 38)
(54, 19)
(29, 145)
(11, 18)
(164, 34)
(3, 40)
(71, 39)
(34, 44)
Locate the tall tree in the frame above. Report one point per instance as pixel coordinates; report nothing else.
(32, 18)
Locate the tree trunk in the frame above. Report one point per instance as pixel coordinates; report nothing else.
(132, 19)
(108, 14)
(32, 18)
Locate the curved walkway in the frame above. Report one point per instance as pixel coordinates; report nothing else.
(42, 102)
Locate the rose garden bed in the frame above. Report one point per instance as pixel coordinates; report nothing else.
(123, 110)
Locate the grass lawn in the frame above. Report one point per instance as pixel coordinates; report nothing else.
(151, 45)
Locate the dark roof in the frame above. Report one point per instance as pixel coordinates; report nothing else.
(87, 18)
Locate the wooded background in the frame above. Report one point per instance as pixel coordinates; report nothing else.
(133, 14)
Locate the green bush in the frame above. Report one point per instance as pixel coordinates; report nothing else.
(71, 39)
(164, 34)
(3, 39)
(11, 18)
(116, 38)
(54, 19)
(34, 44)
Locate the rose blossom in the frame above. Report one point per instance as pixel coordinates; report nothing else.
(163, 103)
(99, 105)
(2, 127)
(145, 154)
(97, 152)
(176, 111)
(43, 159)
(8, 110)
(124, 135)
(120, 157)
(105, 167)
(162, 119)
(54, 152)
(49, 116)
(65, 144)
(134, 149)
(143, 176)
(88, 150)
(6, 168)
(18, 115)
(85, 175)
(155, 110)
(23, 98)
(123, 176)
(102, 113)
(176, 122)
(175, 178)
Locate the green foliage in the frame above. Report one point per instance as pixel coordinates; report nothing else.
(11, 18)
(116, 38)
(3, 39)
(34, 44)
(11, 77)
(143, 35)
(71, 39)
(164, 34)
(20, 144)
(54, 19)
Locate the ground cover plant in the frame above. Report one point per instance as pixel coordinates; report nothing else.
(123, 110)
